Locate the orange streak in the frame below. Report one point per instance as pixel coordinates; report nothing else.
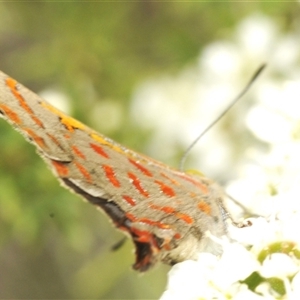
(99, 150)
(202, 187)
(129, 200)
(169, 178)
(78, 152)
(165, 189)
(140, 167)
(154, 223)
(170, 210)
(166, 209)
(38, 140)
(137, 184)
(12, 84)
(54, 139)
(83, 171)
(184, 217)
(60, 168)
(131, 217)
(158, 224)
(110, 175)
(106, 141)
(10, 114)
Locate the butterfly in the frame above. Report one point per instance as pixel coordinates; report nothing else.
(166, 212)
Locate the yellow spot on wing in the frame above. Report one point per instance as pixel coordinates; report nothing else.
(106, 141)
(67, 121)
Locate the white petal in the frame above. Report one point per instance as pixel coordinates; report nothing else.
(296, 286)
(236, 263)
(278, 265)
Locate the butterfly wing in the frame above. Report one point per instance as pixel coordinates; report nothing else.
(165, 211)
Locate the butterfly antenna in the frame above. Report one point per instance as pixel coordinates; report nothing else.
(234, 101)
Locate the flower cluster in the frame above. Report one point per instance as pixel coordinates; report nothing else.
(263, 263)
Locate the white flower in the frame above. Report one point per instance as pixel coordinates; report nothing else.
(236, 263)
(242, 292)
(295, 287)
(190, 279)
(278, 265)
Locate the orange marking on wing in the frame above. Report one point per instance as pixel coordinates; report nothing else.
(154, 223)
(83, 171)
(131, 217)
(203, 206)
(129, 200)
(118, 148)
(144, 236)
(36, 138)
(177, 236)
(184, 217)
(10, 114)
(202, 187)
(99, 150)
(158, 224)
(61, 169)
(170, 210)
(37, 121)
(78, 152)
(12, 84)
(140, 167)
(166, 209)
(111, 176)
(106, 141)
(137, 184)
(165, 188)
(169, 178)
(54, 139)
